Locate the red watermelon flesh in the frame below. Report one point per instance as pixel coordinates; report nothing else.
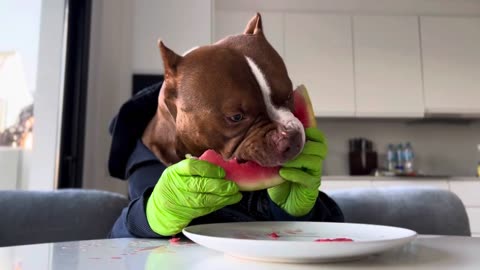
(249, 175)
(303, 108)
(340, 239)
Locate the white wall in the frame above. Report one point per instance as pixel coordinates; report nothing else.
(109, 85)
(181, 24)
(123, 42)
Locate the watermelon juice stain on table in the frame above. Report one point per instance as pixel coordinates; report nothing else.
(124, 252)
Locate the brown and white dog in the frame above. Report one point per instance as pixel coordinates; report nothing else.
(234, 96)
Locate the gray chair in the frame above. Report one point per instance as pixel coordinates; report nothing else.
(30, 217)
(424, 210)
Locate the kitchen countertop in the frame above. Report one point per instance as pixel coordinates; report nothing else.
(396, 178)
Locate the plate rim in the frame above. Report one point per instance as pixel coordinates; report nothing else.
(412, 234)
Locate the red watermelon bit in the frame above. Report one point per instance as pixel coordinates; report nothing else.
(273, 235)
(174, 240)
(340, 239)
(303, 108)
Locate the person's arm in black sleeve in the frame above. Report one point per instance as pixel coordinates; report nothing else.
(130, 159)
(143, 171)
(133, 220)
(261, 207)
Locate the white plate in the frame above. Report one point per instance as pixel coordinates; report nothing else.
(252, 240)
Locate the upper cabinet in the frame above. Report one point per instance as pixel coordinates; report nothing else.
(234, 22)
(379, 66)
(451, 61)
(388, 79)
(318, 53)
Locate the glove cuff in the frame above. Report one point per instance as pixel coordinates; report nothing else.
(280, 214)
(162, 222)
(308, 202)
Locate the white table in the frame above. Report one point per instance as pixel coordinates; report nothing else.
(426, 252)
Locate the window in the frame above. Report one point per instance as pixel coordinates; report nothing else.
(32, 59)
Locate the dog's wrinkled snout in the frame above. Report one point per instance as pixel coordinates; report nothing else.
(288, 143)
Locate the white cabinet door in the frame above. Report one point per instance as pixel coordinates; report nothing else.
(318, 53)
(467, 191)
(234, 22)
(474, 218)
(451, 62)
(388, 76)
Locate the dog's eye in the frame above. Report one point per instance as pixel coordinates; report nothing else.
(289, 101)
(236, 117)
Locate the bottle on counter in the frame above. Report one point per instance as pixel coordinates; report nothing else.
(399, 165)
(391, 158)
(408, 157)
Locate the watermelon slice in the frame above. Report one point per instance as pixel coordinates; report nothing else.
(303, 108)
(250, 176)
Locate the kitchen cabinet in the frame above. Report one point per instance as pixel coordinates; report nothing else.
(388, 79)
(229, 22)
(377, 66)
(451, 64)
(469, 192)
(318, 53)
(474, 219)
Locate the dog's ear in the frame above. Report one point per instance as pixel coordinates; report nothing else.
(169, 88)
(254, 26)
(170, 60)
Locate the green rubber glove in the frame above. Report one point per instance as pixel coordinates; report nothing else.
(298, 194)
(187, 190)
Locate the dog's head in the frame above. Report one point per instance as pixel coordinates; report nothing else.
(234, 96)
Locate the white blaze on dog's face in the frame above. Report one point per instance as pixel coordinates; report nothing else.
(283, 116)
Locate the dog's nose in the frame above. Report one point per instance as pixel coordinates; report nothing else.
(288, 143)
